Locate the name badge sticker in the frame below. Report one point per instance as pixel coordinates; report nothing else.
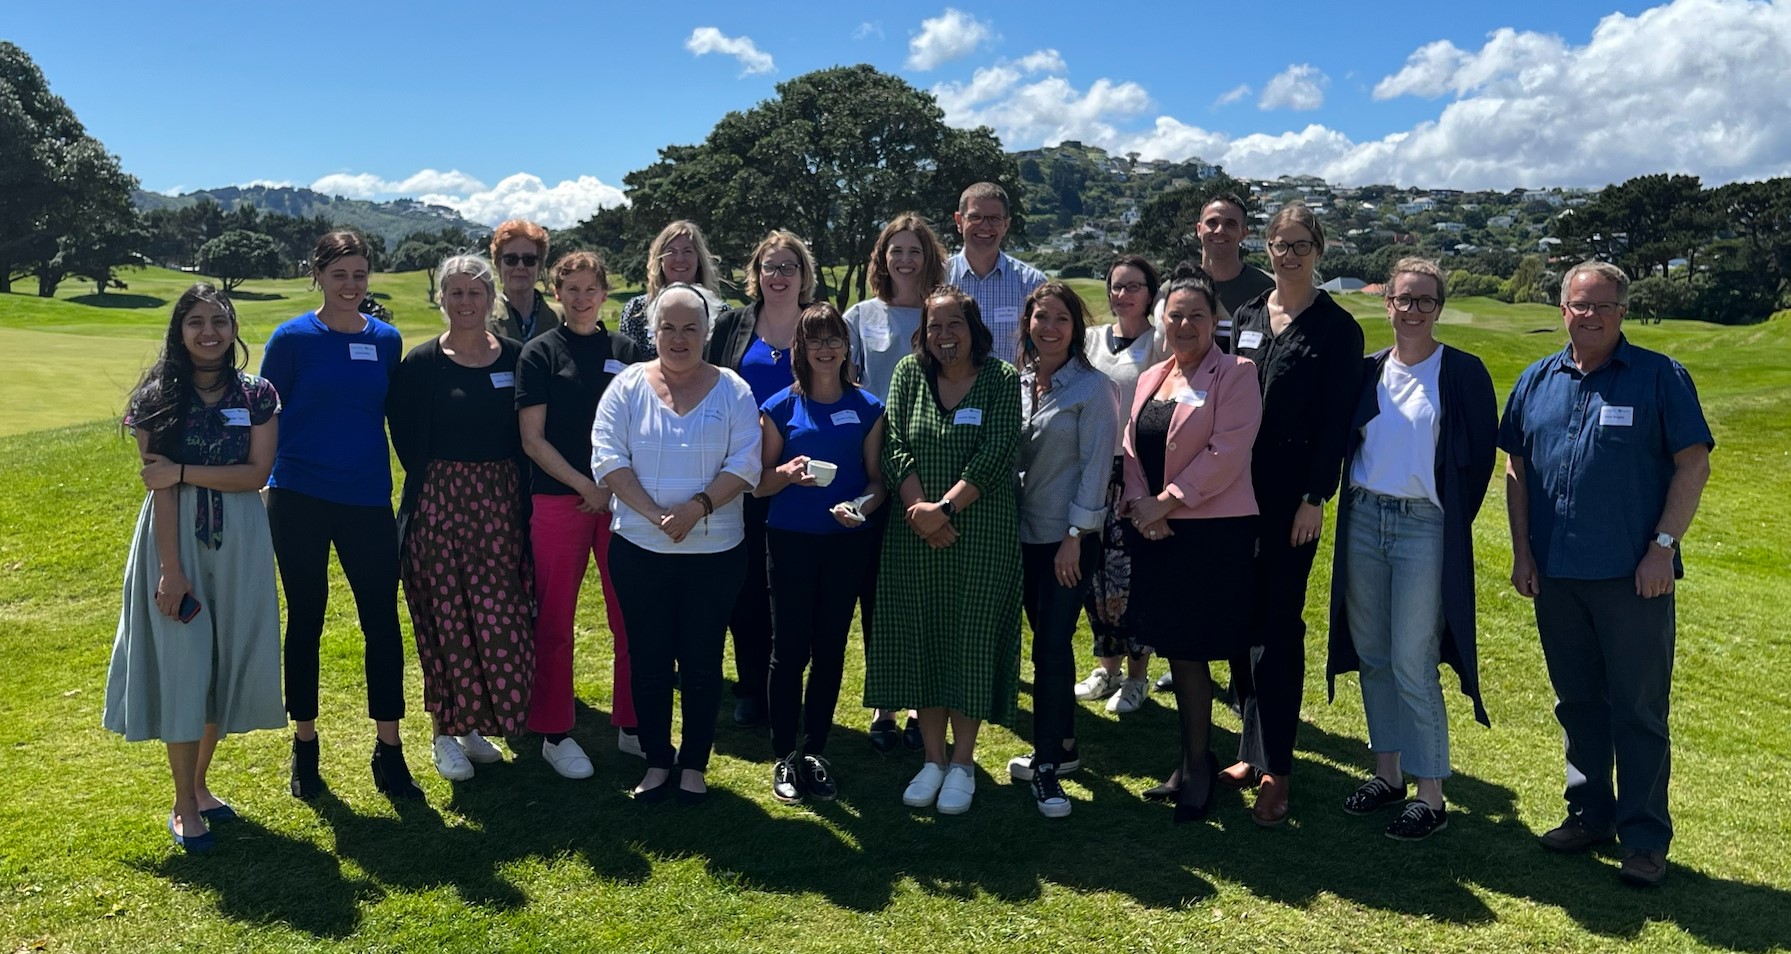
(875, 331)
(503, 379)
(612, 366)
(1190, 397)
(1006, 316)
(968, 415)
(235, 416)
(362, 352)
(848, 416)
(1250, 339)
(1613, 416)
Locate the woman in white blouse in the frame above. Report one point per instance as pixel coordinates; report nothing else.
(677, 441)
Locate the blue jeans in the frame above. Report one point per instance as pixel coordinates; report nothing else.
(1394, 598)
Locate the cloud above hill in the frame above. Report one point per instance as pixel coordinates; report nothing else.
(1692, 85)
(522, 195)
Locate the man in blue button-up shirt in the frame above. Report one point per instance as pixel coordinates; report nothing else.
(1608, 455)
(998, 281)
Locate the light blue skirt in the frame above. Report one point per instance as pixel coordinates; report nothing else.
(169, 679)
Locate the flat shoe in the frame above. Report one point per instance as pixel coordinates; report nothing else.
(1240, 775)
(222, 813)
(911, 735)
(885, 735)
(656, 794)
(194, 844)
(1271, 802)
(1161, 793)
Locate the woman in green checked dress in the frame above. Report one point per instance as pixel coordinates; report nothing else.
(948, 643)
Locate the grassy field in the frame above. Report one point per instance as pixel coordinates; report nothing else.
(519, 859)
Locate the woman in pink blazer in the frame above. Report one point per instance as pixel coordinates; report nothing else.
(1188, 497)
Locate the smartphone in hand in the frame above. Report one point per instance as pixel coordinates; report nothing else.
(189, 608)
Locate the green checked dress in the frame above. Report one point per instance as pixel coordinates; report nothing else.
(947, 627)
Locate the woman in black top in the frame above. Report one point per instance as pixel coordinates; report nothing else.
(1308, 354)
(452, 410)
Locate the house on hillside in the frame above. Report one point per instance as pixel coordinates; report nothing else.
(1344, 285)
(1416, 206)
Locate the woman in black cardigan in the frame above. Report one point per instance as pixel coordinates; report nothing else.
(1402, 579)
(1308, 354)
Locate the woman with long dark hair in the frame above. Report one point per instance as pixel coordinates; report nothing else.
(331, 485)
(196, 654)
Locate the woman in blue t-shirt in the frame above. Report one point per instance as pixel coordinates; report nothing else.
(332, 486)
(823, 436)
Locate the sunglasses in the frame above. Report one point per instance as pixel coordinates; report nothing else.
(512, 260)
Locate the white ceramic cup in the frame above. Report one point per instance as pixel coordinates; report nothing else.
(822, 471)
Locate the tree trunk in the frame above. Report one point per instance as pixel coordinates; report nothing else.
(46, 284)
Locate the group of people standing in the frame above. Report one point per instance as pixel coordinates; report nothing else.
(961, 453)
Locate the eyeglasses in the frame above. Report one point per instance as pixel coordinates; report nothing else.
(511, 260)
(1422, 306)
(786, 269)
(1301, 247)
(973, 219)
(678, 253)
(816, 344)
(1129, 288)
(1604, 309)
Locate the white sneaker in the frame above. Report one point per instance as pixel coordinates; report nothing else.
(629, 744)
(450, 759)
(1129, 697)
(479, 749)
(1099, 685)
(955, 794)
(924, 788)
(567, 758)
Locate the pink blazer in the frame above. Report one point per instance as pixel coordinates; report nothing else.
(1207, 460)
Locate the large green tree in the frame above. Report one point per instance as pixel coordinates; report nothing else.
(1641, 225)
(838, 153)
(237, 256)
(1165, 230)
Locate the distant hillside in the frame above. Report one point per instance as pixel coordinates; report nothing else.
(390, 220)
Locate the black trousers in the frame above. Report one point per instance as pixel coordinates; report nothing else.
(1270, 679)
(814, 582)
(750, 619)
(366, 541)
(1052, 610)
(675, 606)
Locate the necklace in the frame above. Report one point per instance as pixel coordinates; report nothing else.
(215, 387)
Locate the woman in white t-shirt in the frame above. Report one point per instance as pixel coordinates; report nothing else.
(1402, 593)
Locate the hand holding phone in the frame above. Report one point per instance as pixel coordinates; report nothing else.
(189, 608)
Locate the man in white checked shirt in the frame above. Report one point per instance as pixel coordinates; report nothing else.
(998, 281)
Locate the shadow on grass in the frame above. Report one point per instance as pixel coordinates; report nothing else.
(243, 295)
(119, 301)
(259, 875)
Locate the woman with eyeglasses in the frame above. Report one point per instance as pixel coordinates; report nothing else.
(1121, 349)
(679, 254)
(822, 438)
(518, 253)
(907, 261)
(1402, 576)
(1308, 356)
(756, 342)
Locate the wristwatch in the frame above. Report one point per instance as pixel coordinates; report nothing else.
(1317, 500)
(946, 507)
(1075, 532)
(1665, 541)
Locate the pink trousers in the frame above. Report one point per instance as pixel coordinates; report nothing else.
(563, 540)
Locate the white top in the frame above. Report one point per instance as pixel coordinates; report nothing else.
(1398, 456)
(881, 334)
(1123, 368)
(676, 455)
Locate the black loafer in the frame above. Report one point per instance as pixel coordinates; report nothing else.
(911, 735)
(885, 735)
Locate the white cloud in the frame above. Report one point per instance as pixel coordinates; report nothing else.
(521, 195)
(706, 40)
(1236, 93)
(1690, 86)
(952, 35)
(265, 183)
(1300, 86)
(868, 29)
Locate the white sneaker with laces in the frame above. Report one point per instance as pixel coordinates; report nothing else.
(1129, 698)
(629, 744)
(1099, 685)
(567, 758)
(450, 759)
(479, 749)
(924, 788)
(959, 787)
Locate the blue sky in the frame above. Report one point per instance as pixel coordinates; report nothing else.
(504, 109)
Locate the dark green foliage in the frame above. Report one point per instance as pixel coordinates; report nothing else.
(239, 255)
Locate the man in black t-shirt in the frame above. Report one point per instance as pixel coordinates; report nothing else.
(1222, 228)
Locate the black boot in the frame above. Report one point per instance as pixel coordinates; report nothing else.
(306, 783)
(390, 775)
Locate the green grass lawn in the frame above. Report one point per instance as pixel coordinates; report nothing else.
(519, 859)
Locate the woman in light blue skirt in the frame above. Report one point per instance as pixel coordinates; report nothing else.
(197, 654)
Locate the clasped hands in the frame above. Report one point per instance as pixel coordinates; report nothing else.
(929, 522)
(1150, 516)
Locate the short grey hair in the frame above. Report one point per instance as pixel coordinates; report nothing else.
(1604, 270)
(705, 301)
(465, 264)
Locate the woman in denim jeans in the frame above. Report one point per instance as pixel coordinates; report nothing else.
(1402, 585)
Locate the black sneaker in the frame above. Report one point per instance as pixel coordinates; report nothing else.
(1418, 822)
(1020, 767)
(1048, 792)
(817, 779)
(786, 780)
(1373, 795)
